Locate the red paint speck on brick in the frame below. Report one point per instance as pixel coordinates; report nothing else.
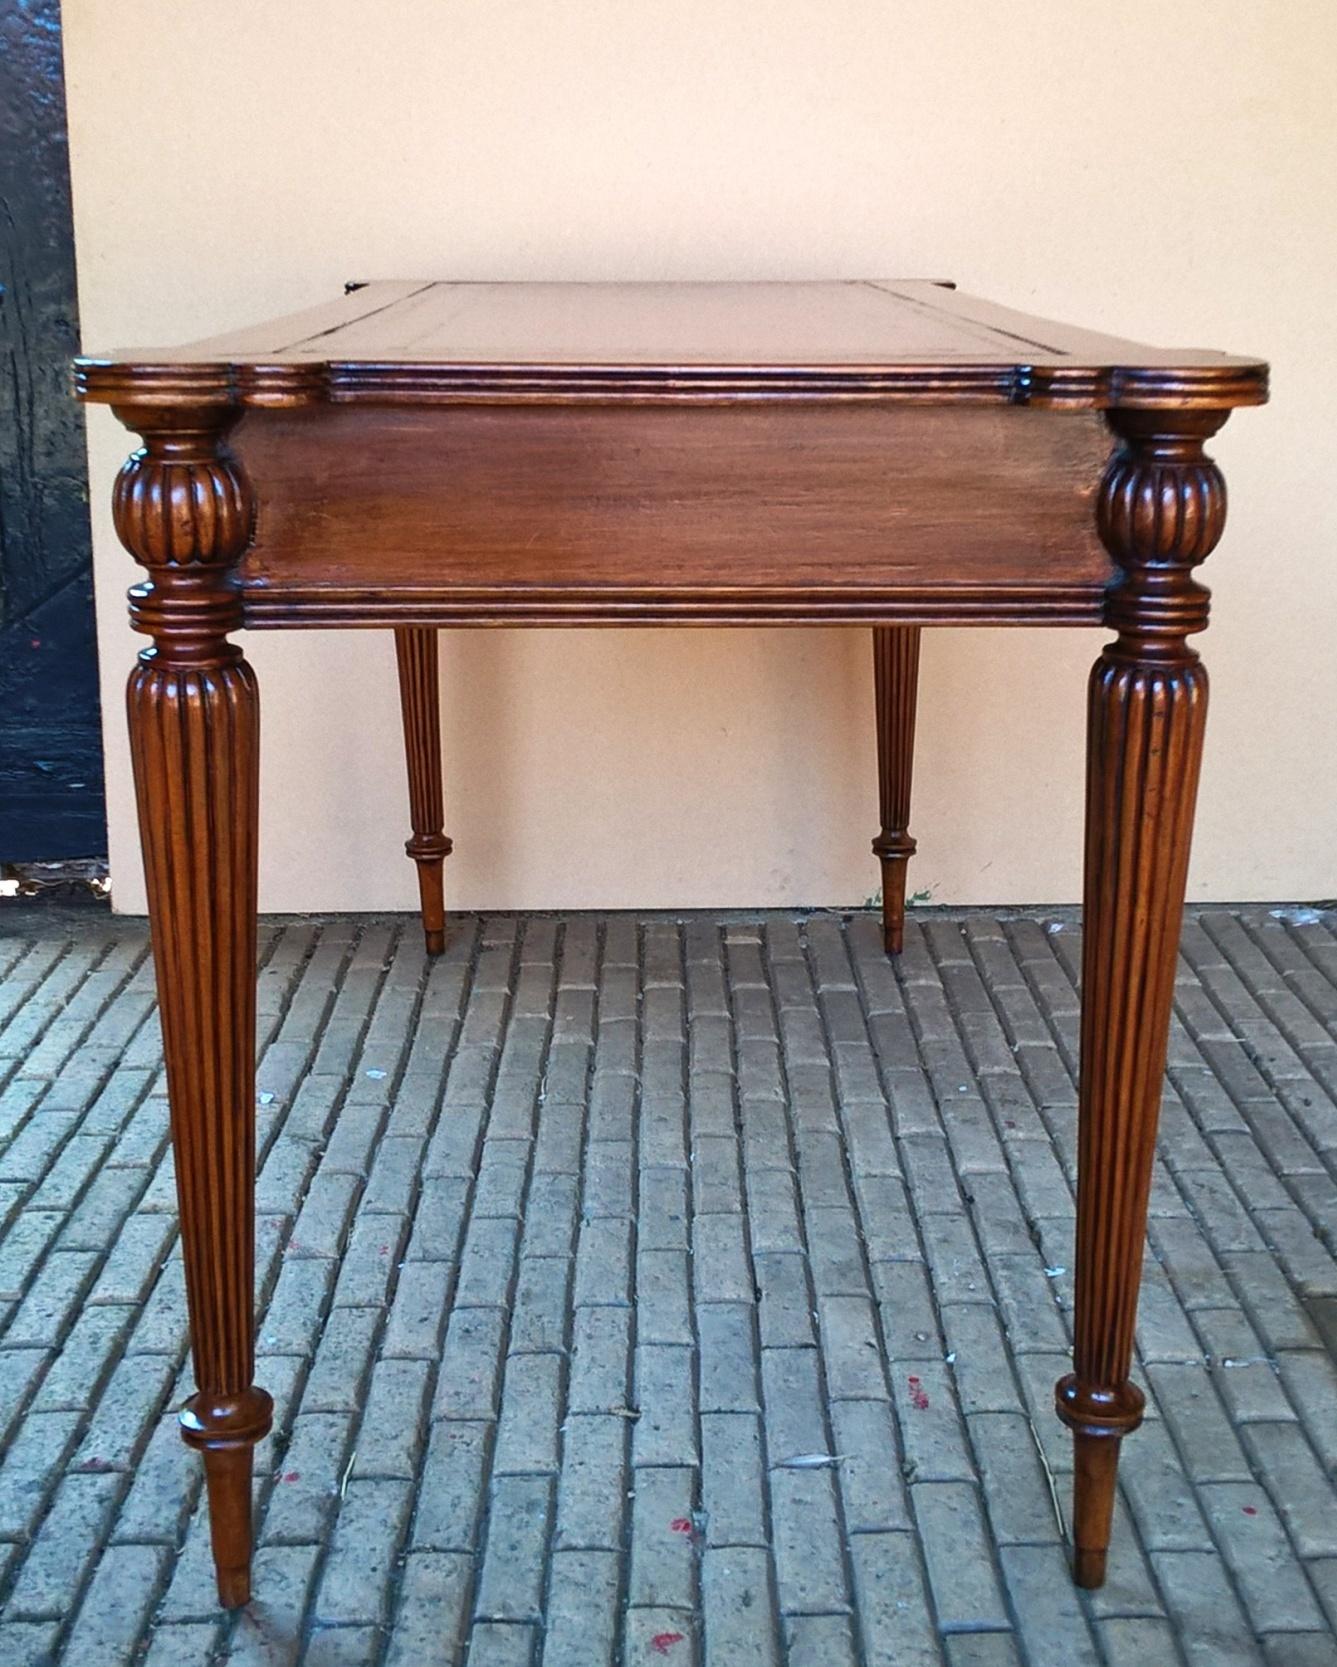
(681, 1525)
(663, 1642)
(918, 1394)
(292, 1476)
(1250, 1510)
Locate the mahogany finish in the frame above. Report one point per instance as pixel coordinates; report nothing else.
(420, 704)
(899, 342)
(893, 454)
(184, 509)
(896, 681)
(793, 512)
(1162, 510)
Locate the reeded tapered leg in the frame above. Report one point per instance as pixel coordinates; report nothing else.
(1161, 511)
(429, 847)
(896, 686)
(183, 509)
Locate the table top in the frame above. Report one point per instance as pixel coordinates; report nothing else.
(427, 342)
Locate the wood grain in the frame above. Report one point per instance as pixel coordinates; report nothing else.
(908, 342)
(1162, 509)
(420, 707)
(896, 690)
(183, 508)
(793, 514)
(892, 455)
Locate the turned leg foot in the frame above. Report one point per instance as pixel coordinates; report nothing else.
(416, 653)
(226, 1430)
(896, 681)
(1099, 1422)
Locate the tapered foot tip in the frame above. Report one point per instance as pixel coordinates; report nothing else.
(436, 942)
(234, 1587)
(1088, 1567)
(893, 942)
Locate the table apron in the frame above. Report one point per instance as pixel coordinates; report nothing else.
(747, 514)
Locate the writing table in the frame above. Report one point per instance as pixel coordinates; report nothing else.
(893, 455)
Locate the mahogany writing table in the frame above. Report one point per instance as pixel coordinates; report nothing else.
(894, 455)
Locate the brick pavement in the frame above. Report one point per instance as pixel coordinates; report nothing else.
(671, 1292)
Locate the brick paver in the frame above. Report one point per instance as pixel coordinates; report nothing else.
(645, 1291)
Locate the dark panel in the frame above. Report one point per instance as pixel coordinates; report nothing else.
(51, 803)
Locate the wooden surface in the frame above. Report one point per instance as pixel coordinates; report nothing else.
(416, 656)
(420, 342)
(185, 512)
(1162, 510)
(816, 512)
(727, 454)
(895, 697)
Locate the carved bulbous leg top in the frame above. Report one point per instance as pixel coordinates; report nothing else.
(184, 509)
(1160, 512)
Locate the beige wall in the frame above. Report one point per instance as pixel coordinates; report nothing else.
(1168, 172)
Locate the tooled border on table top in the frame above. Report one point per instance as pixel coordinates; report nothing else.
(1221, 386)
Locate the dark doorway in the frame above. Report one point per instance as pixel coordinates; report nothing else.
(51, 799)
